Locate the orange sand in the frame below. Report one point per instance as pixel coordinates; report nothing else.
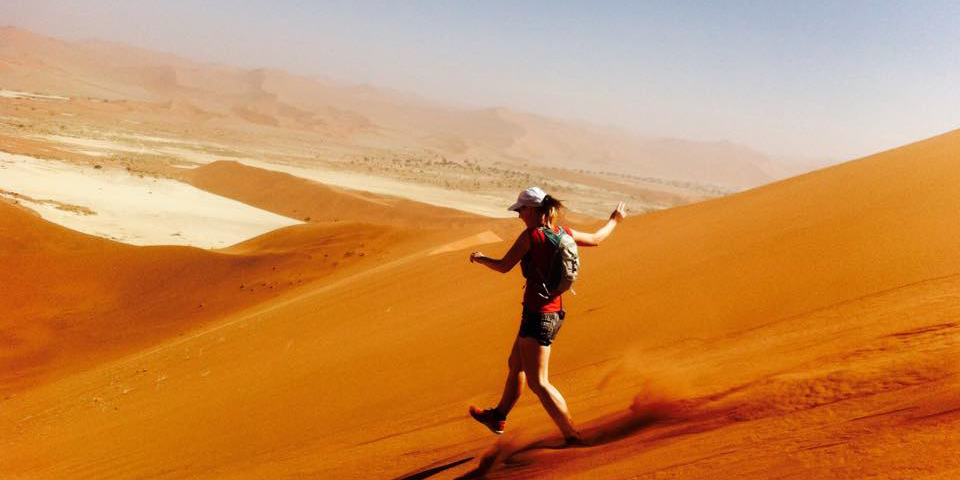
(307, 200)
(806, 329)
(72, 300)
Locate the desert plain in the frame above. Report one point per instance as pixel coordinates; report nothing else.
(211, 272)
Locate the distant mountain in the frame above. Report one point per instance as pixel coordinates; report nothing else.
(275, 98)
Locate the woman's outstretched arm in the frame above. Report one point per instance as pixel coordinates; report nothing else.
(513, 256)
(593, 239)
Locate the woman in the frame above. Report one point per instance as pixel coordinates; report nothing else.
(542, 315)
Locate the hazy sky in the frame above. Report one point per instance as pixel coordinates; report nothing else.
(818, 79)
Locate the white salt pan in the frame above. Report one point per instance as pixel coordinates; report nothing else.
(16, 94)
(131, 209)
(96, 144)
(486, 205)
(130, 143)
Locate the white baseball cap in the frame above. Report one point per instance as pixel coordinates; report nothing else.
(531, 197)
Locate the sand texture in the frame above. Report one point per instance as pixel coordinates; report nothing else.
(803, 329)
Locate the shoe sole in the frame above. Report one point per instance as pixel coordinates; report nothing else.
(473, 414)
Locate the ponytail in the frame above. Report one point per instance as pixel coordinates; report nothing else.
(550, 210)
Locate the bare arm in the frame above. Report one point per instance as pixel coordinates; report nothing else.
(513, 256)
(593, 239)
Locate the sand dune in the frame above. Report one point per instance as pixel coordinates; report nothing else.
(307, 200)
(807, 329)
(481, 238)
(72, 300)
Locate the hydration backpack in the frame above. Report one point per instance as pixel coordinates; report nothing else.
(564, 264)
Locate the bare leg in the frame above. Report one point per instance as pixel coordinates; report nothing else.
(536, 361)
(514, 383)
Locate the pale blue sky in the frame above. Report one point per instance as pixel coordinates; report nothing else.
(817, 79)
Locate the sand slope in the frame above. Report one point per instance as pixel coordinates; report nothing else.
(72, 300)
(304, 199)
(804, 329)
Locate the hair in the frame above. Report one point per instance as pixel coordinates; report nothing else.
(550, 210)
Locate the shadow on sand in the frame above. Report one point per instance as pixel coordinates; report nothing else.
(598, 432)
(434, 470)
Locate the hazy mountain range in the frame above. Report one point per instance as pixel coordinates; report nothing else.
(347, 113)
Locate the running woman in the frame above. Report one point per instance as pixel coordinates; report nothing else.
(542, 315)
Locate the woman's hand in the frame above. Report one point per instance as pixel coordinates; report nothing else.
(617, 214)
(594, 239)
(520, 248)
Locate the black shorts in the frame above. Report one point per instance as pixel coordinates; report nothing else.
(541, 326)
